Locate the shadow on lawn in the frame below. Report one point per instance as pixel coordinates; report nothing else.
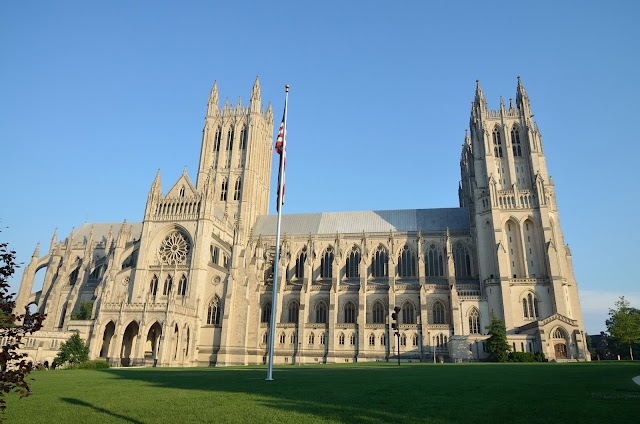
(358, 394)
(98, 409)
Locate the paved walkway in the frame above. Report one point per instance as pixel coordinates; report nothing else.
(637, 380)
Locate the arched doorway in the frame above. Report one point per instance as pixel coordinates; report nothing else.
(152, 345)
(129, 343)
(109, 331)
(559, 340)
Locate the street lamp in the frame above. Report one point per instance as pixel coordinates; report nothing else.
(433, 349)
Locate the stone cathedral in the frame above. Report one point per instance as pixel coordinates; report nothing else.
(191, 284)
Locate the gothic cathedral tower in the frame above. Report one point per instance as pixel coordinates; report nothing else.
(525, 267)
(236, 158)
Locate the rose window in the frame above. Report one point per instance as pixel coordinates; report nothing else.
(174, 249)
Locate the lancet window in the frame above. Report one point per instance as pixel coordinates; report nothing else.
(407, 263)
(462, 260)
(497, 143)
(266, 313)
(182, 285)
(300, 263)
(236, 191)
(380, 263)
(433, 262)
(213, 311)
(243, 138)
(326, 263)
(515, 142)
(378, 313)
(474, 321)
(168, 285)
(353, 263)
(230, 139)
(293, 311)
(216, 140)
(223, 190)
(530, 307)
(350, 313)
(321, 312)
(438, 313)
(153, 286)
(408, 313)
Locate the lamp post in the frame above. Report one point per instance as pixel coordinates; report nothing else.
(395, 326)
(477, 351)
(433, 349)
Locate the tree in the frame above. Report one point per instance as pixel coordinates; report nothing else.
(13, 365)
(86, 307)
(497, 344)
(624, 324)
(73, 351)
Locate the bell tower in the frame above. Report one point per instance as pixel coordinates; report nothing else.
(511, 199)
(236, 158)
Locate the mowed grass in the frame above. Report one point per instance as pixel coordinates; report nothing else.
(357, 393)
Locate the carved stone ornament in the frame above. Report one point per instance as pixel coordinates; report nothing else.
(125, 281)
(174, 249)
(216, 280)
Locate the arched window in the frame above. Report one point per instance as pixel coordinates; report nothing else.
(378, 313)
(433, 262)
(265, 338)
(408, 313)
(380, 263)
(168, 285)
(243, 138)
(438, 313)
(474, 322)
(223, 190)
(352, 339)
(403, 340)
(497, 143)
(300, 261)
(414, 340)
(350, 313)
(515, 142)
(530, 306)
(283, 338)
(372, 339)
(341, 339)
(182, 191)
(322, 338)
(292, 338)
(462, 260)
(153, 287)
(213, 312)
(321, 312)
(559, 333)
(182, 286)
(230, 135)
(326, 263)
(353, 263)
(266, 313)
(216, 140)
(312, 338)
(407, 263)
(236, 191)
(293, 309)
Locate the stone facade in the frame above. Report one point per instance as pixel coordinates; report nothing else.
(192, 284)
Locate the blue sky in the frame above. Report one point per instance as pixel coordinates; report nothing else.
(96, 96)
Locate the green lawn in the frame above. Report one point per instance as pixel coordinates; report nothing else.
(367, 393)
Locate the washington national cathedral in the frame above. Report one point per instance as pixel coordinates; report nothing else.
(191, 284)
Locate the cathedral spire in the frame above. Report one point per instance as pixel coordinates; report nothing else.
(213, 99)
(157, 184)
(479, 100)
(255, 91)
(36, 253)
(54, 240)
(522, 99)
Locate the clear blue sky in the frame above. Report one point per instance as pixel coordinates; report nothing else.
(96, 96)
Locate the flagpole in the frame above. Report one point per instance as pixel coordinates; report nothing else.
(276, 259)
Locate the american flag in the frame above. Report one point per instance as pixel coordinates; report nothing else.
(281, 148)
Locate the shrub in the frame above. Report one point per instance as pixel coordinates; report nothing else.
(93, 365)
(73, 351)
(526, 357)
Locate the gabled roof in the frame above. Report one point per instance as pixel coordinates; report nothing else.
(405, 220)
(101, 231)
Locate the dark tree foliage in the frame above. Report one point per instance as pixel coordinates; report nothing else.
(13, 365)
(85, 311)
(497, 344)
(73, 351)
